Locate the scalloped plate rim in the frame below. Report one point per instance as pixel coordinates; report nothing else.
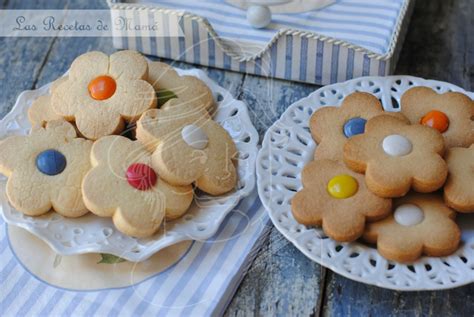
(324, 261)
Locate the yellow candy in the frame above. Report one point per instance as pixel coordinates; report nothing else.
(342, 186)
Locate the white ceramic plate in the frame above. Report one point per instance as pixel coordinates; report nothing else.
(94, 234)
(288, 146)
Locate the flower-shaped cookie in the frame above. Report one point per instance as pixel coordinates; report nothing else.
(459, 188)
(395, 156)
(41, 111)
(450, 113)
(420, 224)
(189, 147)
(102, 92)
(123, 185)
(189, 90)
(45, 169)
(332, 126)
(337, 198)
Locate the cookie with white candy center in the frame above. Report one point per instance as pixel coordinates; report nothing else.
(189, 147)
(421, 224)
(396, 156)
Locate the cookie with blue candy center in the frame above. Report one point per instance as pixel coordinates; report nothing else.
(331, 127)
(45, 169)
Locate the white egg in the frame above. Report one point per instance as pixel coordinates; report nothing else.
(259, 16)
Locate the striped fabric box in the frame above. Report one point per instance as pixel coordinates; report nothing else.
(347, 39)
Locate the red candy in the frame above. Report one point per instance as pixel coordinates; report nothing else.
(102, 87)
(141, 176)
(436, 120)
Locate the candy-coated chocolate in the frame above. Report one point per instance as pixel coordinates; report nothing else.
(354, 126)
(194, 136)
(102, 87)
(408, 215)
(437, 120)
(141, 176)
(397, 145)
(51, 162)
(342, 186)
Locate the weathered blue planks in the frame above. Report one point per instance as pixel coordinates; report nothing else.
(22, 59)
(440, 42)
(281, 281)
(344, 297)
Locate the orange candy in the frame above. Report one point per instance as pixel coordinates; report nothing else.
(102, 87)
(437, 120)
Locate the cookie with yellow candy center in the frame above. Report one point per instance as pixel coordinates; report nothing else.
(337, 199)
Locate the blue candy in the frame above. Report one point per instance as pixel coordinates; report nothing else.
(354, 126)
(51, 162)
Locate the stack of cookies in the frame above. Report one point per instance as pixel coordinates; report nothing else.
(392, 179)
(75, 159)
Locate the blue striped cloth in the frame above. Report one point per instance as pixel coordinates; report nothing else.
(366, 23)
(200, 284)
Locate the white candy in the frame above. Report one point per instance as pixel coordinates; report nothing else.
(396, 145)
(408, 215)
(259, 16)
(194, 136)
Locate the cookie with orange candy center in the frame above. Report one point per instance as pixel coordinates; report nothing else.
(421, 224)
(459, 188)
(396, 156)
(103, 92)
(450, 113)
(337, 199)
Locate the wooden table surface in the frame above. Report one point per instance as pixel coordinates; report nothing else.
(439, 45)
